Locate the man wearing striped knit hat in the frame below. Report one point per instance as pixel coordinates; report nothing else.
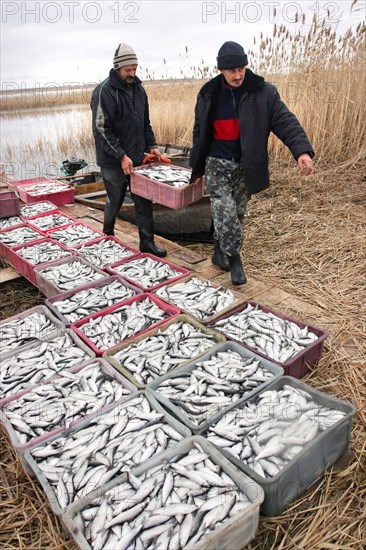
(234, 116)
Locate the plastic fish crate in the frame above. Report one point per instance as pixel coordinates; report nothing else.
(51, 232)
(9, 204)
(163, 193)
(33, 219)
(233, 534)
(298, 365)
(6, 252)
(153, 387)
(30, 181)
(183, 318)
(58, 328)
(77, 327)
(52, 208)
(33, 469)
(311, 462)
(50, 289)
(97, 284)
(134, 251)
(239, 299)
(25, 267)
(183, 272)
(59, 198)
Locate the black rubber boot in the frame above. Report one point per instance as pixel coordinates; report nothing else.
(152, 248)
(219, 258)
(236, 270)
(109, 232)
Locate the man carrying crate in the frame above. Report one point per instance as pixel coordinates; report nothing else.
(122, 133)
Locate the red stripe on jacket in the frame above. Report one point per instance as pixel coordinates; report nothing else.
(226, 129)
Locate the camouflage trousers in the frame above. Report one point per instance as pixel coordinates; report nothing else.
(229, 196)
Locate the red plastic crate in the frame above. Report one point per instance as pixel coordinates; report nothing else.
(33, 219)
(162, 193)
(51, 233)
(59, 198)
(52, 207)
(6, 252)
(298, 365)
(183, 272)
(9, 204)
(171, 310)
(19, 183)
(78, 248)
(25, 267)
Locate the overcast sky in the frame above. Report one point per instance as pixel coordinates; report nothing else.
(57, 42)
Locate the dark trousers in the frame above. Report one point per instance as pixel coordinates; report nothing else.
(116, 185)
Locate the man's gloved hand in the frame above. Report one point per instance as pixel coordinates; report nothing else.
(152, 157)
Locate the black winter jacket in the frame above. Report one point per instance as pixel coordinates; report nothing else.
(261, 112)
(121, 125)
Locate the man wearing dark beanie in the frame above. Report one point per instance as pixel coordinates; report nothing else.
(234, 116)
(122, 133)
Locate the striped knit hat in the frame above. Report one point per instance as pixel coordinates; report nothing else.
(124, 55)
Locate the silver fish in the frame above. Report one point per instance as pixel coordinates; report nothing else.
(9, 222)
(147, 272)
(25, 329)
(74, 234)
(70, 274)
(42, 253)
(20, 235)
(174, 176)
(52, 186)
(30, 210)
(104, 252)
(56, 219)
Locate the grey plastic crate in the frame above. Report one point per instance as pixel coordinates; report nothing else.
(33, 469)
(183, 318)
(153, 387)
(233, 534)
(310, 463)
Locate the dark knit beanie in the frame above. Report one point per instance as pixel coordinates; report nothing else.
(123, 56)
(231, 55)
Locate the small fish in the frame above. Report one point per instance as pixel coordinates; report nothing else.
(21, 234)
(52, 186)
(74, 234)
(30, 210)
(10, 222)
(25, 329)
(147, 272)
(70, 274)
(176, 177)
(105, 252)
(45, 252)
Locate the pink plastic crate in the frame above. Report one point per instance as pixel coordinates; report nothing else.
(19, 183)
(52, 233)
(59, 198)
(97, 284)
(9, 204)
(162, 193)
(79, 249)
(77, 327)
(52, 208)
(298, 365)
(6, 251)
(113, 269)
(25, 267)
(67, 220)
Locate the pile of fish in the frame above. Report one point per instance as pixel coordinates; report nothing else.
(30, 210)
(79, 461)
(24, 330)
(49, 222)
(173, 505)
(279, 339)
(52, 186)
(270, 430)
(42, 253)
(38, 363)
(63, 401)
(176, 177)
(104, 253)
(147, 272)
(112, 328)
(166, 349)
(9, 222)
(90, 300)
(197, 297)
(20, 235)
(74, 234)
(70, 275)
(213, 385)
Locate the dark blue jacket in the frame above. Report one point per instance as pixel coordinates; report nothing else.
(121, 122)
(261, 112)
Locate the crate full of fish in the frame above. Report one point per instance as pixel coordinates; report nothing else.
(58, 192)
(40, 361)
(159, 350)
(44, 251)
(148, 272)
(105, 251)
(167, 185)
(294, 345)
(74, 234)
(29, 327)
(97, 450)
(9, 204)
(82, 302)
(284, 438)
(201, 298)
(33, 415)
(15, 184)
(14, 236)
(112, 326)
(189, 497)
(50, 220)
(200, 391)
(6, 223)
(66, 274)
(37, 208)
